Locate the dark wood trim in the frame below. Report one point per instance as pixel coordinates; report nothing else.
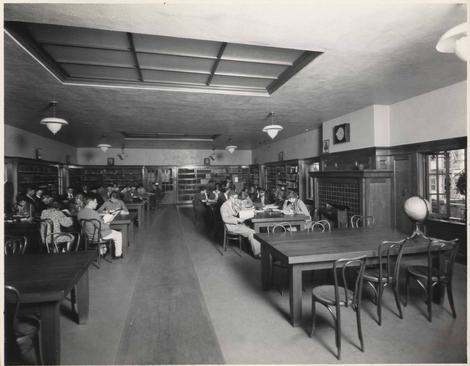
(298, 65)
(283, 162)
(130, 38)
(216, 63)
(429, 146)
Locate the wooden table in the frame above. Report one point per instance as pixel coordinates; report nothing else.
(43, 281)
(124, 224)
(268, 219)
(139, 206)
(306, 251)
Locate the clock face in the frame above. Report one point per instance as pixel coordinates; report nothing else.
(341, 133)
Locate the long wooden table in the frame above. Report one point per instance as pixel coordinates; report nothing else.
(139, 207)
(124, 224)
(269, 219)
(43, 281)
(306, 251)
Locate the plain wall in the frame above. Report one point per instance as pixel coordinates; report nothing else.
(170, 157)
(21, 143)
(305, 145)
(439, 114)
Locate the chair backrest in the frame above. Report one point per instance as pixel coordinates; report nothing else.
(280, 227)
(326, 224)
(390, 254)
(90, 231)
(316, 226)
(12, 306)
(348, 269)
(46, 228)
(358, 221)
(64, 242)
(15, 244)
(441, 256)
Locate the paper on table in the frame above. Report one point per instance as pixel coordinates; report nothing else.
(107, 218)
(246, 214)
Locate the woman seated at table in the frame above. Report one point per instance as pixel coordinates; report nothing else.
(295, 205)
(53, 212)
(214, 195)
(245, 200)
(23, 208)
(76, 205)
(113, 203)
(262, 198)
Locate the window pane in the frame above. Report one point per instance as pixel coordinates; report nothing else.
(432, 163)
(443, 205)
(441, 184)
(433, 202)
(432, 184)
(441, 164)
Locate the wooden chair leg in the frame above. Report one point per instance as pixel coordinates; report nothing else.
(397, 299)
(380, 290)
(312, 332)
(338, 333)
(359, 328)
(451, 299)
(429, 302)
(407, 289)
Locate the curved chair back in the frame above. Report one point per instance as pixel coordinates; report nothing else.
(15, 245)
(348, 268)
(358, 221)
(390, 254)
(441, 257)
(281, 227)
(46, 228)
(316, 226)
(64, 242)
(90, 231)
(12, 299)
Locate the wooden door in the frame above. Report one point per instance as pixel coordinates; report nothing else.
(403, 190)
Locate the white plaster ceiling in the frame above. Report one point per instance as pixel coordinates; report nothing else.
(374, 53)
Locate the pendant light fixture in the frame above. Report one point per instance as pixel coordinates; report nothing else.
(272, 130)
(54, 124)
(103, 145)
(455, 40)
(231, 148)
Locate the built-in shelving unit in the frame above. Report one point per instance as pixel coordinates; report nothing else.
(95, 176)
(283, 174)
(40, 175)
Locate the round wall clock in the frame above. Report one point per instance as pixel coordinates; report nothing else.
(341, 133)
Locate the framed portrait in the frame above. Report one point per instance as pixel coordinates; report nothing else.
(207, 161)
(326, 146)
(110, 161)
(281, 156)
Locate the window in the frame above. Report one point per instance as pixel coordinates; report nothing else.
(446, 184)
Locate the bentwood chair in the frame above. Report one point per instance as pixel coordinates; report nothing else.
(333, 297)
(15, 245)
(22, 332)
(228, 236)
(280, 227)
(386, 274)
(46, 228)
(63, 242)
(317, 226)
(91, 232)
(358, 221)
(438, 272)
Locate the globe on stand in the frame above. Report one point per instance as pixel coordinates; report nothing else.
(417, 209)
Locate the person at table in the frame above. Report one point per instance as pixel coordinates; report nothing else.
(113, 203)
(77, 204)
(53, 212)
(214, 195)
(85, 190)
(235, 225)
(279, 196)
(68, 196)
(199, 205)
(23, 208)
(89, 212)
(261, 198)
(245, 200)
(295, 205)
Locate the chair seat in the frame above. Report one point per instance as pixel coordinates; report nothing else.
(422, 272)
(326, 295)
(372, 275)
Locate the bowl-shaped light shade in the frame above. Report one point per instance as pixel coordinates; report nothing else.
(231, 148)
(54, 124)
(272, 130)
(104, 147)
(455, 40)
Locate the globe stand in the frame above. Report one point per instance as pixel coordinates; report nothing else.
(418, 232)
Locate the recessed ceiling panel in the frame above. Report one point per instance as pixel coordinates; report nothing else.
(100, 72)
(175, 63)
(90, 56)
(93, 56)
(174, 77)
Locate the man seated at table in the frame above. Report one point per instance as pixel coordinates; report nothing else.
(23, 208)
(68, 196)
(235, 225)
(199, 205)
(295, 205)
(113, 203)
(89, 212)
(261, 198)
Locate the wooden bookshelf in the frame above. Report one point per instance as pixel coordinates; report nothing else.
(283, 174)
(95, 176)
(40, 175)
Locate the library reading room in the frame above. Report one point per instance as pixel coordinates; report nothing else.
(235, 182)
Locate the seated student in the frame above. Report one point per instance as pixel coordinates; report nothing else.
(235, 225)
(68, 196)
(23, 207)
(245, 200)
(113, 203)
(279, 196)
(77, 204)
(89, 212)
(53, 212)
(214, 195)
(295, 205)
(261, 199)
(252, 192)
(199, 205)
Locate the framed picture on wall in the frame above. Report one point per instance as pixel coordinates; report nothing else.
(326, 146)
(110, 161)
(281, 156)
(207, 161)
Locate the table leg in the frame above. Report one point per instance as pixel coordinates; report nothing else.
(295, 295)
(266, 268)
(82, 298)
(142, 214)
(50, 332)
(125, 238)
